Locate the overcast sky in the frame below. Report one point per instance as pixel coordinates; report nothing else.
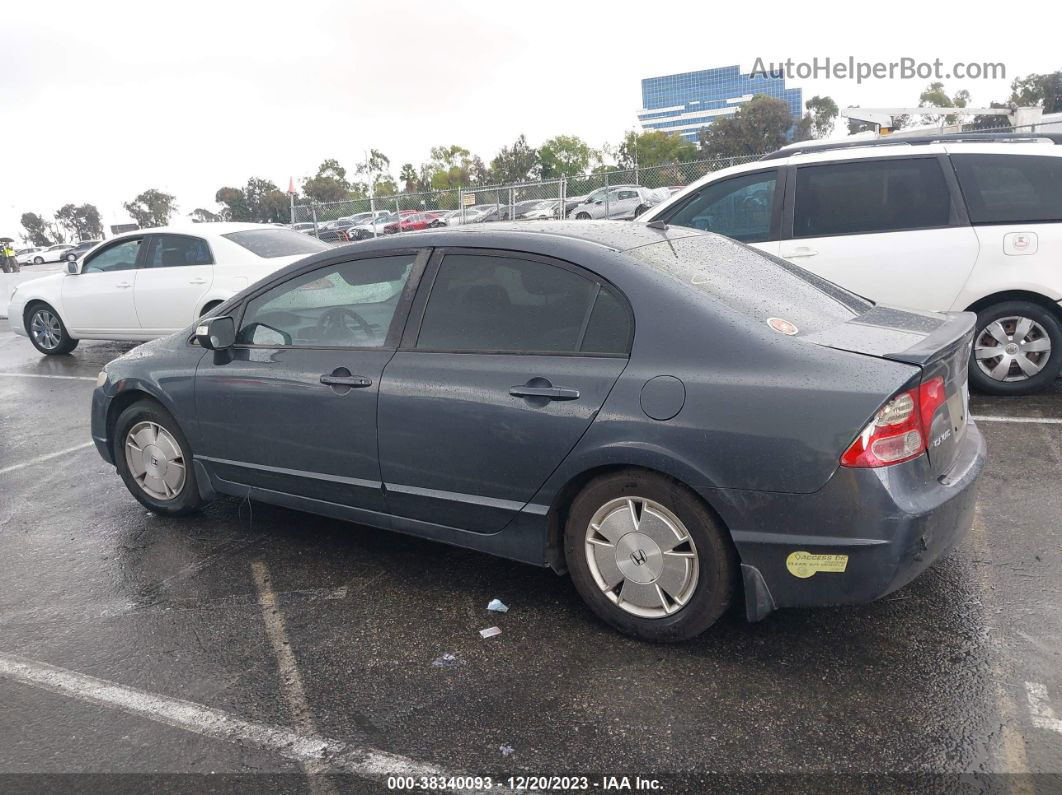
(103, 100)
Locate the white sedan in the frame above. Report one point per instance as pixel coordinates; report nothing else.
(50, 254)
(150, 283)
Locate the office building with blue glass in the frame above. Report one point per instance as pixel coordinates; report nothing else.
(684, 103)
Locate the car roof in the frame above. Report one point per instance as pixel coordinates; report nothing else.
(207, 229)
(617, 236)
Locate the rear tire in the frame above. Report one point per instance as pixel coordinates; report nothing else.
(38, 260)
(154, 459)
(582, 217)
(1017, 349)
(641, 209)
(47, 331)
(646, 534)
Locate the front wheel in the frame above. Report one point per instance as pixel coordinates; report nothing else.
(154, 459)
(648, 556)
(38, 260)
(1017, 349)
(582, 217)
(641, 209)
(47, 331)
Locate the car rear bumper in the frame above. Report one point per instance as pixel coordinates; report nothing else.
(862, 536)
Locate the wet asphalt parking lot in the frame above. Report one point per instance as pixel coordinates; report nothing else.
(251, 639)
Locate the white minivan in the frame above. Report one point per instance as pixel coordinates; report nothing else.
(946, 222)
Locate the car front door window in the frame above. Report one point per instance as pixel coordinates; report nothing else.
(119, 257)
(350, 305)
(739, 207)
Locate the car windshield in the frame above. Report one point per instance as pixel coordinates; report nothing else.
(276, 242)
(755, 284)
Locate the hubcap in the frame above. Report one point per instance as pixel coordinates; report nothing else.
(1012, 349)
(155, 460)
(45, 328)
(642, 557)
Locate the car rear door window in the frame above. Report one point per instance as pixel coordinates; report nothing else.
(496, 304)
(118, 257)
(349, 305)
(169, 251)
(871, 196)
(739, 207)
(1002, 189)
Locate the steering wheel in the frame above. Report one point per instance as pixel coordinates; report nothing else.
(333, 325)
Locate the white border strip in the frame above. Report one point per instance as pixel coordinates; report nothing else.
(1032, 420)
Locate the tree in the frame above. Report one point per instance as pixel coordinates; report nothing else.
(80, 221)
(329, 184)
(234, 204)
(1034, 89)
(516, 163)
(151, 208)
(565, 156)
(760, 125)
(453, 167)
(202, 216)
(409, 178)
(934, 96)
(267, 204)
(37, 230)
(991, 122)
(654, 148)
(818, 121)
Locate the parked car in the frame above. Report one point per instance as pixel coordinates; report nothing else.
(50, 253)
(935, 222)
(476, 214)
(150, 283)
(370, 229)
(818, 451)
(79, 250)
(623, 203)
(409, 223)
(536, 210)
(25, 256)
(304, 227)
(571, 202)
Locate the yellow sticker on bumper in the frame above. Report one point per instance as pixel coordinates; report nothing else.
(805, 564)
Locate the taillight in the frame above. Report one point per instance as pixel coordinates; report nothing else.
(899, 430)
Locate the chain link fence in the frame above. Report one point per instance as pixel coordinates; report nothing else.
(613, 193)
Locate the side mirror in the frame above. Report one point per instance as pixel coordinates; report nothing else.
(72, 268)
(216, 333)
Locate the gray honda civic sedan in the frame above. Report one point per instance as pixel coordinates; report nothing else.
(675, 419)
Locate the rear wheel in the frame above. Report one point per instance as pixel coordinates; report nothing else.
(1017, 349)
(582, 217)
(47, 332)
(38, 260)
(641, 209)
(648, 557)
(154, 459)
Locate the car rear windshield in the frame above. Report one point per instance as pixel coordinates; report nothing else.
(757, 285)
(276, 242)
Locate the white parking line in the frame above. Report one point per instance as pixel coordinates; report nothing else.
(290, 678)
(359, 761)
(41, 375)
(1043, 715)
(1035, 420)
(42, 458)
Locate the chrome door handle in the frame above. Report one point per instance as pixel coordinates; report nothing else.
(801, 251)
(354, 381)
(548, 392)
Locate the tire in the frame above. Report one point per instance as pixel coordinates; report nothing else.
(1028, 364)
(582, 217)
(641, 209)
(47, 331)
(696, 593)
(38, 260)
(144, 435)
(210, 307)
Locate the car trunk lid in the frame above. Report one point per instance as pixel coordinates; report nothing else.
(937, 343)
